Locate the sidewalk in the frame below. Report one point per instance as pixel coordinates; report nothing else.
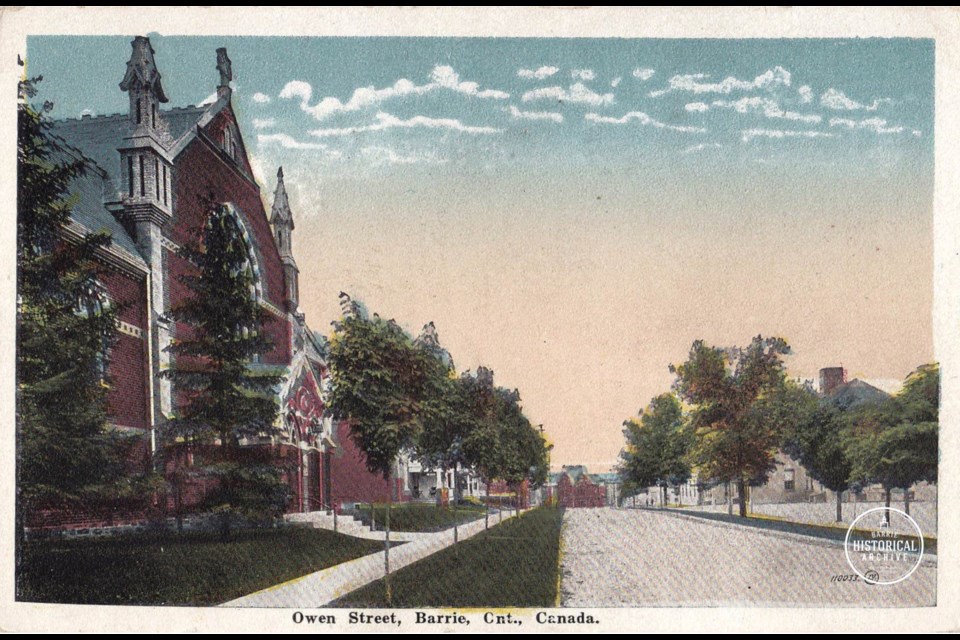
(323, 587)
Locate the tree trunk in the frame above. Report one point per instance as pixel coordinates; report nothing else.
(886, 514)
(486, 515)
(726, 491)
(840, 506)
(742, 495)
(906, 501)
(455, 501)
(373, 518)
(386, 539)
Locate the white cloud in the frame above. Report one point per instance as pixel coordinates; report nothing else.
(577, 94)
(88, 112)
(698, 107)
(538, 74)
(384, 155)
(583, 74)
(288, 142)
(877, 125)
(263, 123)
(838, 101)
(442, 77)
(615, 82)
(767, 107)
(692, 83)
(261, 98)
(806, 94)
(702, 147)
(643, 74)
(643, 119)
(916, 133)
(210, 99)
(535, 115)
(749, 134)
(445, 76)
(387, 121)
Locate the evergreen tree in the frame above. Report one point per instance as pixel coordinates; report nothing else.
(221, 398)
(66, 456)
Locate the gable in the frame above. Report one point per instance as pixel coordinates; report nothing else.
(224, 131)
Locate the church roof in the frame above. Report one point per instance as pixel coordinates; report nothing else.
(98, 139)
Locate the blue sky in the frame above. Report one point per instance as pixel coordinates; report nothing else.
(575, 212)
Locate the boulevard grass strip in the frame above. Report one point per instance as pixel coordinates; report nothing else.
(836, 533)
(166, 569)
(423, 518)
(514, 564)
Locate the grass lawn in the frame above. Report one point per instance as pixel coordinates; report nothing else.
(514, 564)
(419, 517)
(194, 569)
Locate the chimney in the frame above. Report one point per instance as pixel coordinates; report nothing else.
(831, 378)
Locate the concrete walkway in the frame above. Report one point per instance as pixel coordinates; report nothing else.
(323, 587)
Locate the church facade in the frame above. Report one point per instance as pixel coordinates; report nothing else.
(157, 171)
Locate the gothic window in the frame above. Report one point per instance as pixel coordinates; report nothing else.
(93, 303)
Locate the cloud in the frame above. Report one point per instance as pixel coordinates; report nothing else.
(261, 98)
(643, 74)
(387, 121)
(838, 101)
(806, 94)
(583, 74)
(698, 107)
(877, 125)
(615, 82)
(210, 99)
(643, 119)
(538, 74)
(263, 123)
(766, 106)
(692, 83)
(288, 142)
(88, 112)
(749, 134)
(445, 76)
(702, 147)
(385, 155)
(577, 94)
(535, 115)
(442, 77)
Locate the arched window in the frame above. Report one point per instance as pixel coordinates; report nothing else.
(94, 304)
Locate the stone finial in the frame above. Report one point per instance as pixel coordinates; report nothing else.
(224, 66)
(142, 73)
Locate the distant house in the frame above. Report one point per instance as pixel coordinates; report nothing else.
(573, 487)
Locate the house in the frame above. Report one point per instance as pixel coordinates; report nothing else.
(573, 487)
(157, 170)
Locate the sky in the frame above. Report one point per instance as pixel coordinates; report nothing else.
(574, 213)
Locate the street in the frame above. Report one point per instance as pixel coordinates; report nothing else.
(634, 557)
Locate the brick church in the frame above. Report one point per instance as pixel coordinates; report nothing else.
(155, 168)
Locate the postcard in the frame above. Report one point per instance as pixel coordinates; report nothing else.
(480, 320)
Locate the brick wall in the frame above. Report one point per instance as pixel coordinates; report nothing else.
(350, 479)
(127, 372)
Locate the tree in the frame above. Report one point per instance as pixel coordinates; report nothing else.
(523, 451)
(381, 385)
(483, 447)
(222, 399)
(819, 445)
(734, 441)
(896, 444)
(657, 447)
(66, 455)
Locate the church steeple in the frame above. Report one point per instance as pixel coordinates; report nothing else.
(282, 220)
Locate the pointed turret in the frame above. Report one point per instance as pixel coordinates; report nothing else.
(282, 220)
(142, 82)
